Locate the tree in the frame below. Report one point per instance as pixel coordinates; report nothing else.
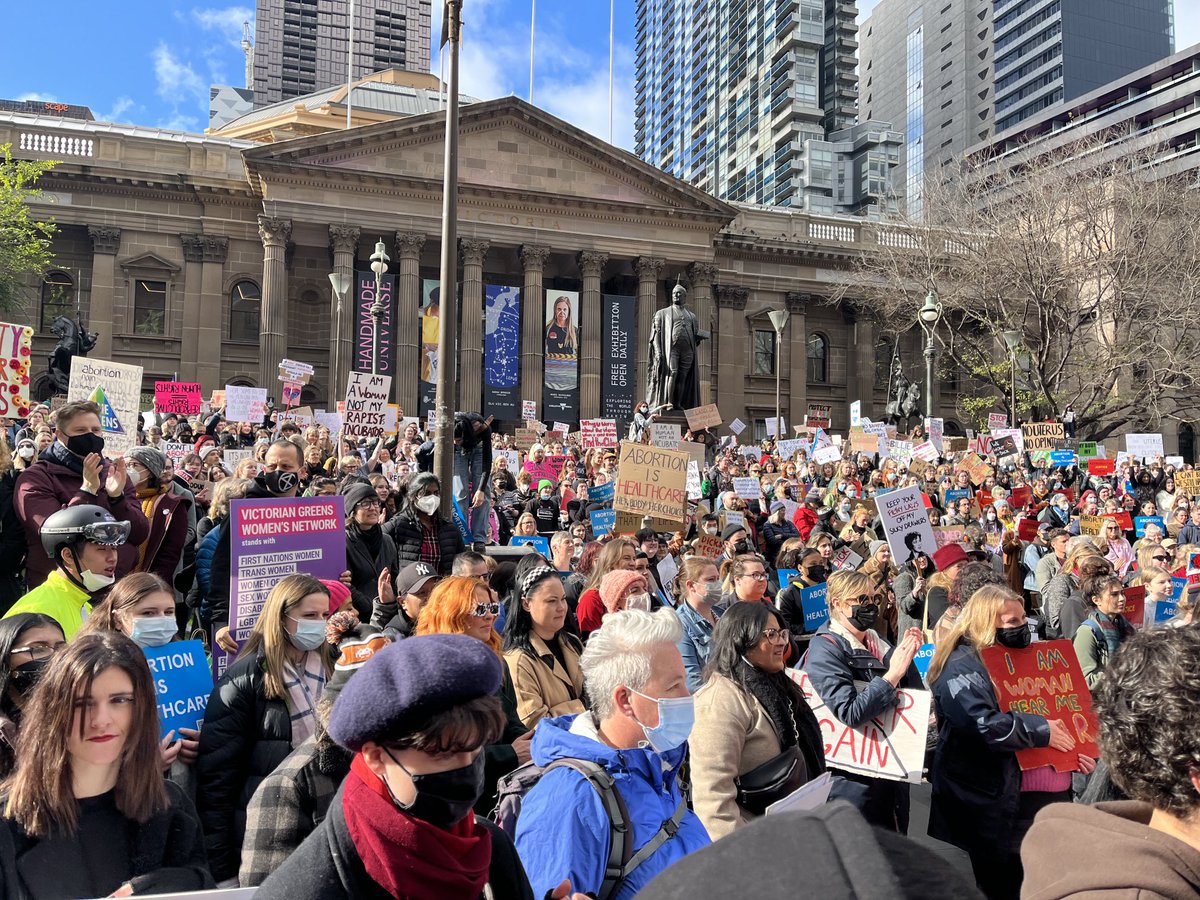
(24, 241)
(1086, 255)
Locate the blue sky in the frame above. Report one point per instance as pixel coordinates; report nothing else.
(150, 62)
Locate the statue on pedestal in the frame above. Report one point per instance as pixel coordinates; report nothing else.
(73, 340)
(904, 396)
(674, 379)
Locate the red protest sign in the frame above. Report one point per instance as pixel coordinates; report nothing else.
(1069, 493)
(1020, 497)
(1135, 605)
(1122, 518)
(1027, 529)
(1045, 679)
(1101, 467)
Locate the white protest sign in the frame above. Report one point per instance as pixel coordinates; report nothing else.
(997, 420)
(597, 433)
(746, 488)
(827, 455)
(855, 413)
(513, 457)
(330, 420)
(667, 569)
(665, 434)
(232, 457)
(734, 518)
(176, 452)
(901, 452)
(789, 448)
(1145, 446)
(935, 428)
(906, 524)
(737, 426)
(117, 389)
(693, 481)
(846, 559)
(528, 410)
(366, 406)
(772, 422)
(926, 451)
(750, 452)
(561, 427)
(891, 745)
(244, 404)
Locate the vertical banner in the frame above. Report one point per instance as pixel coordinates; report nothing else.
(15, 349)
(364, 325)
(502, 351)
(560, 399)
(430, 313)
(618, 352)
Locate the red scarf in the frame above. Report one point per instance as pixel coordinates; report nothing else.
(407, 857)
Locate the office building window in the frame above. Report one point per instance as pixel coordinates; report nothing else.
(149, 306)
(764, 353)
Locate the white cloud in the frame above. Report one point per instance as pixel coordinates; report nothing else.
(584, 103)
(227, 21)
(41, 98)
(184, 91)
(121, 106)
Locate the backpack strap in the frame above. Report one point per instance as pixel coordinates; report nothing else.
(667, 831)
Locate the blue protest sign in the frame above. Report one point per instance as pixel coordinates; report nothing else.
(956, 494)
(602, 493)
(1165, 610)
(816, 609)
(182, 681)
(539, 543)
(603, 521)
(923, 658)
(1178, 586)
(460, 520)
(1140, 523)
(786, 576)
(1062, 457)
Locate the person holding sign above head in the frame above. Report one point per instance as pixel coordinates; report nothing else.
(980, 801)
(857, 673)
(89, 813)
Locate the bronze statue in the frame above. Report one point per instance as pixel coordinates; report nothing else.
(904, 399)
(674, 379)
(73, 340)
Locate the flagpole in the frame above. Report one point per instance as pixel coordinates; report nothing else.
(532, 24)
(612, 16)
(349, 63)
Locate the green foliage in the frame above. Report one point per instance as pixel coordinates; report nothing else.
(24, 241)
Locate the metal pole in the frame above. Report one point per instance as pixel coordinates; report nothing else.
(778, 368)
(376, 322)
(448, 320)
(532, 24)
(349, 63)
(1013, 388)
(612, 17)
(930, 353)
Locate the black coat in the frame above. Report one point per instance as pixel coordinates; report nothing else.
(244, 738)
(405, 532)
(365, 568)
(327, 867)
(975, 775)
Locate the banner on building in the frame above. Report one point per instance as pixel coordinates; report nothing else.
(364, 325)
(430, 313)
(618, 356)
(560, 398)
(502, 351)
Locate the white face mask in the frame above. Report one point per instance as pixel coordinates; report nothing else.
(26, 452)
(429, 504)
(638, 601)
(93, 582)
(134, 476)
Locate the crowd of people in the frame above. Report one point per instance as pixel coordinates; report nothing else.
(470, 712)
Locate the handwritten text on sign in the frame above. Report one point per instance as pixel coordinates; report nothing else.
(179, 397)
(366, 409)
(652, 481)
(16, 343)
(1045, 680)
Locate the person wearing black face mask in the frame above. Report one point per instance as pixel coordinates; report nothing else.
(847, 652)
(416, 717)
(810, 571)
(28, 642)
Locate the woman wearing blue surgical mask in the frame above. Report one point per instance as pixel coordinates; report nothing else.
(262, 708)
(755, 739)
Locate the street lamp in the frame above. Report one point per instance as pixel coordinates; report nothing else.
(379, 261)
(341, 286)
(1012, 340)
(928, 316)
(779, 318)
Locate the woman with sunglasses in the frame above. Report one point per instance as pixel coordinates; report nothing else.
(466, 605)
(857, 673)
(755, 739)
(1114, 547)
(369, 550)
(28, 641)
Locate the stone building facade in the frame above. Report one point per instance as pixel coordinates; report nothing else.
(207, 259)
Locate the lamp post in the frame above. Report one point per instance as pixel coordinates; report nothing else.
(1012, 340)
(379, 261)
(779, 318)
(928, 316)
(341, 286)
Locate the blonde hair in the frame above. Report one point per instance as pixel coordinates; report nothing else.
(976, 624)
(270, 637)
(224, 491)
(847, 584)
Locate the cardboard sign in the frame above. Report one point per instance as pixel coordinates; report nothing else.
(652, 481)
(665, 434)
(603, 521)
(1043, 435)
(244, 404)
(997, 420)
(953, 445)
(702, 417)
(182, 683)
(1045, 679)
(366, 408)
(976, 468)
(528, 410)
(1144, 446)
(117, 389)
(861, 442)
(906, 524)
(949, 534)
(815, 603)
(524, 438)
(1090, 524)
(1102, 468)
(694, 450)
(1140, 523)
(16, 348)
(709, 546)
(855, 413)
(818, 415)
(1188, 482)
(539, 543)
(597, 433)
(746, 488)
(890, 746)
(846, 559)
(292, 370)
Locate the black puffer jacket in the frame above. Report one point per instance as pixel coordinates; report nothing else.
(245, 736)
(405, 531)
(365, 568)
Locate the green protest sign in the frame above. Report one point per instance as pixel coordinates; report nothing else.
(1087, 449)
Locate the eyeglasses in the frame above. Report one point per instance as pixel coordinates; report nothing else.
(776, 635)
(370, 504)
(486, 609)
(1160, 558)
(757, 576)
(40, 649)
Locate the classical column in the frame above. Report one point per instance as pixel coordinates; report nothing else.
(407, 324)
(591, 267)
(193, 274)
(106, 241)
(470, 341)
(864, 340)
(214, 251)
(796, 374)
(648, 269)
(702, 276)
(343, 242)
(273, 317)
(533, 323)
(731, 352)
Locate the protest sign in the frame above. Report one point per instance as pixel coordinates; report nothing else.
(1140, 523)
(179, 397)
(953, 495)
(117, 389)
(597, 433)
(935, 428)
(861, 442)
(814, 601)
(182, 683)
(528, 410)
(330, 420)
(244, 404)
(695, 487)
(891, 745)
(1062, 457)
(1144, 446)
(900, 451)
(1020, 497)
(707, 416)
(1135, 605)
(365, 414)
(709, 546)
(231, 458)
(665, 434)
(16, 348)
(561, 428)
(997, 420)
(728, 517)
(953, 445)
(1090, 524)
(1102, 467)
(1043, 435)
(217, 401)
(290, 393)
(789, 448)
(556, 463)
(603, 521)
(694, 451)
(652, 481)
(273, 538)
(1123, 519)
(1188, 482)
(1027, 529)
(922, 658)
(524, 438)
(1001, 446)
(827, 455)
(1165, 610)
(772, 424)
(845, 558)
(949, 534)
(1087, 449)
(1045, 679)
(295, 371)
(538, 542)
(976, 468)
(906, 524)
(540, 470)
(737, 426)
(855, 413)
(926, 452)
(1176, 461)
(602, 493)
(818, 415)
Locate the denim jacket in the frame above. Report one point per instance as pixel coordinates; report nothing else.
(696, 643)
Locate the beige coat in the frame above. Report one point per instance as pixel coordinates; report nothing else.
(732, 736)
(543, 688)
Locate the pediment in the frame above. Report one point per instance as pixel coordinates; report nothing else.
(149, 262)
(506, 146)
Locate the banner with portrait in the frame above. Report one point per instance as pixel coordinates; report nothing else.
(502, 352)
(560, 397)
(364, 325)
(618, 359)
(429, 313)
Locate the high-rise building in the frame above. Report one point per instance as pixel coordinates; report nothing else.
(743, 97)
(300, 45)
(953, 73)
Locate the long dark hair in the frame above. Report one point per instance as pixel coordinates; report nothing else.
(11, 630)
(737, 632)
(518, 624)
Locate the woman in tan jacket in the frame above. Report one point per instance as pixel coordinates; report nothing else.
(542, 657)
(748, 713)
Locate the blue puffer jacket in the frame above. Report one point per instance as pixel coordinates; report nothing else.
(563, 830)
(204, 558)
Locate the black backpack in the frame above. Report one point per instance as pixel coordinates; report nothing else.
(622, 860)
